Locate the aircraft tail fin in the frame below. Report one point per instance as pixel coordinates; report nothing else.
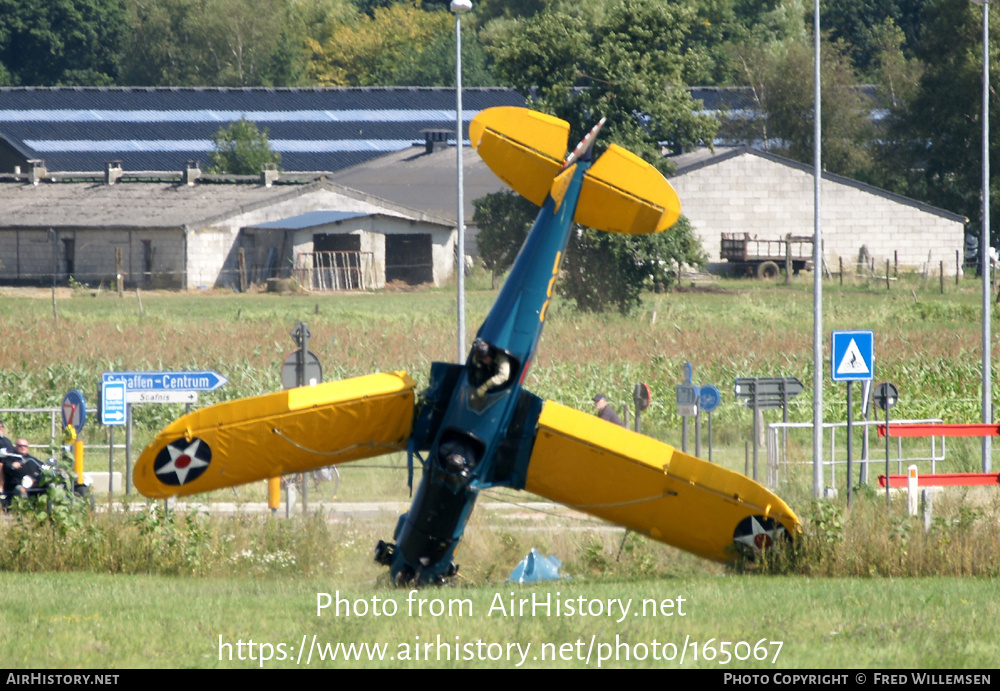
(624, 194)
(523, 147)
(621, 192)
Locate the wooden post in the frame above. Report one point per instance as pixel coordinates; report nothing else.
(958, 267)
(941, 269)
(841, 259)
(788, 259)
(241, 259)
(895, 264)
(119, 268)
(887, 274)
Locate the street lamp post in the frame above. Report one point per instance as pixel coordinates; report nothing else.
(459, 7)
(984, 240)
(817, 266)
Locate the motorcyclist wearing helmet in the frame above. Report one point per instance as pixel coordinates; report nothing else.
(494, 363)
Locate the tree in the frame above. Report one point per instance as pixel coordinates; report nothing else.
(617, 58)
(780, 76)
(61, 42)
(601, 270)
(398, 45)
(608, 270)
(504, 219)
(936, 135)
(215, 43)
(241, 149)
(620, 59)
(862, 26)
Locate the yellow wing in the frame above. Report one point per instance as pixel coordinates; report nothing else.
(291, 431)
(621, 192)
(646, 485)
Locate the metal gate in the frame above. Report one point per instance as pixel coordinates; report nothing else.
(335, 270)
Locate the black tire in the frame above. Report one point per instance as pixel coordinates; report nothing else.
(768, 271)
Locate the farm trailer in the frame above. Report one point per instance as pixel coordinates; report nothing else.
(764, 258)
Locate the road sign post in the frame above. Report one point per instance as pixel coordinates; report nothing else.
(687, 402)
(886, 397)
(74, 414)
(709, 399)
(641, 397)
(852, 359)
(301, 367)
(761, 393)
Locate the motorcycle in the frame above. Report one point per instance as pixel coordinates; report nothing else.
(27, 478)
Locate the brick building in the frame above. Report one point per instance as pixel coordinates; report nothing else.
(768, 196)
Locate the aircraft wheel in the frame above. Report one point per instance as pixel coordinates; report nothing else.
(768, 271)
(404, 577)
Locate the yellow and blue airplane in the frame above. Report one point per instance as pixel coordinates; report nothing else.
(472, 432)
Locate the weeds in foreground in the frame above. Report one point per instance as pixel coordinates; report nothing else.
(869, 541)
(154, 541)
(961, 539)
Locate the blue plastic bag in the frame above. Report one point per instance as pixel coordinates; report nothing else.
(535, 567)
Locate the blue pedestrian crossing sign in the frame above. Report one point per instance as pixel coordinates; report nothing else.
(853, 356)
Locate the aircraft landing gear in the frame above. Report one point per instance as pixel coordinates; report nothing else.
(383, 552)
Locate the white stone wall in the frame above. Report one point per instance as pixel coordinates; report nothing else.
(753, 194)
(207, 251)
(27, 255)
(211, 259)
(373, 231)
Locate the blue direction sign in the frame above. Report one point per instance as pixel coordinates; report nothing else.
(687, 394)
(112, 403)
(853, 356)
(205, 380)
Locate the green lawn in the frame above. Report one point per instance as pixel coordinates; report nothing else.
(113, 622)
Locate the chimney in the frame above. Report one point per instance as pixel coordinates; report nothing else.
(36, 170)
(268, 174)
(436, 140)
(112, 172)
(191, 172)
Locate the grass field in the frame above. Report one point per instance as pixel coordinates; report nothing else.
(107, 622)
(868, 589)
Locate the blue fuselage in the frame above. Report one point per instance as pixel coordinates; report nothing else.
(493, 433)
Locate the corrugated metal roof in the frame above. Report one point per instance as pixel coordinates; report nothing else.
(159, 129)
(421, 180)
(168, 204)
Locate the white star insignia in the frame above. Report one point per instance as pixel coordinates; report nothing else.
(759, 538)
(183, 461)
